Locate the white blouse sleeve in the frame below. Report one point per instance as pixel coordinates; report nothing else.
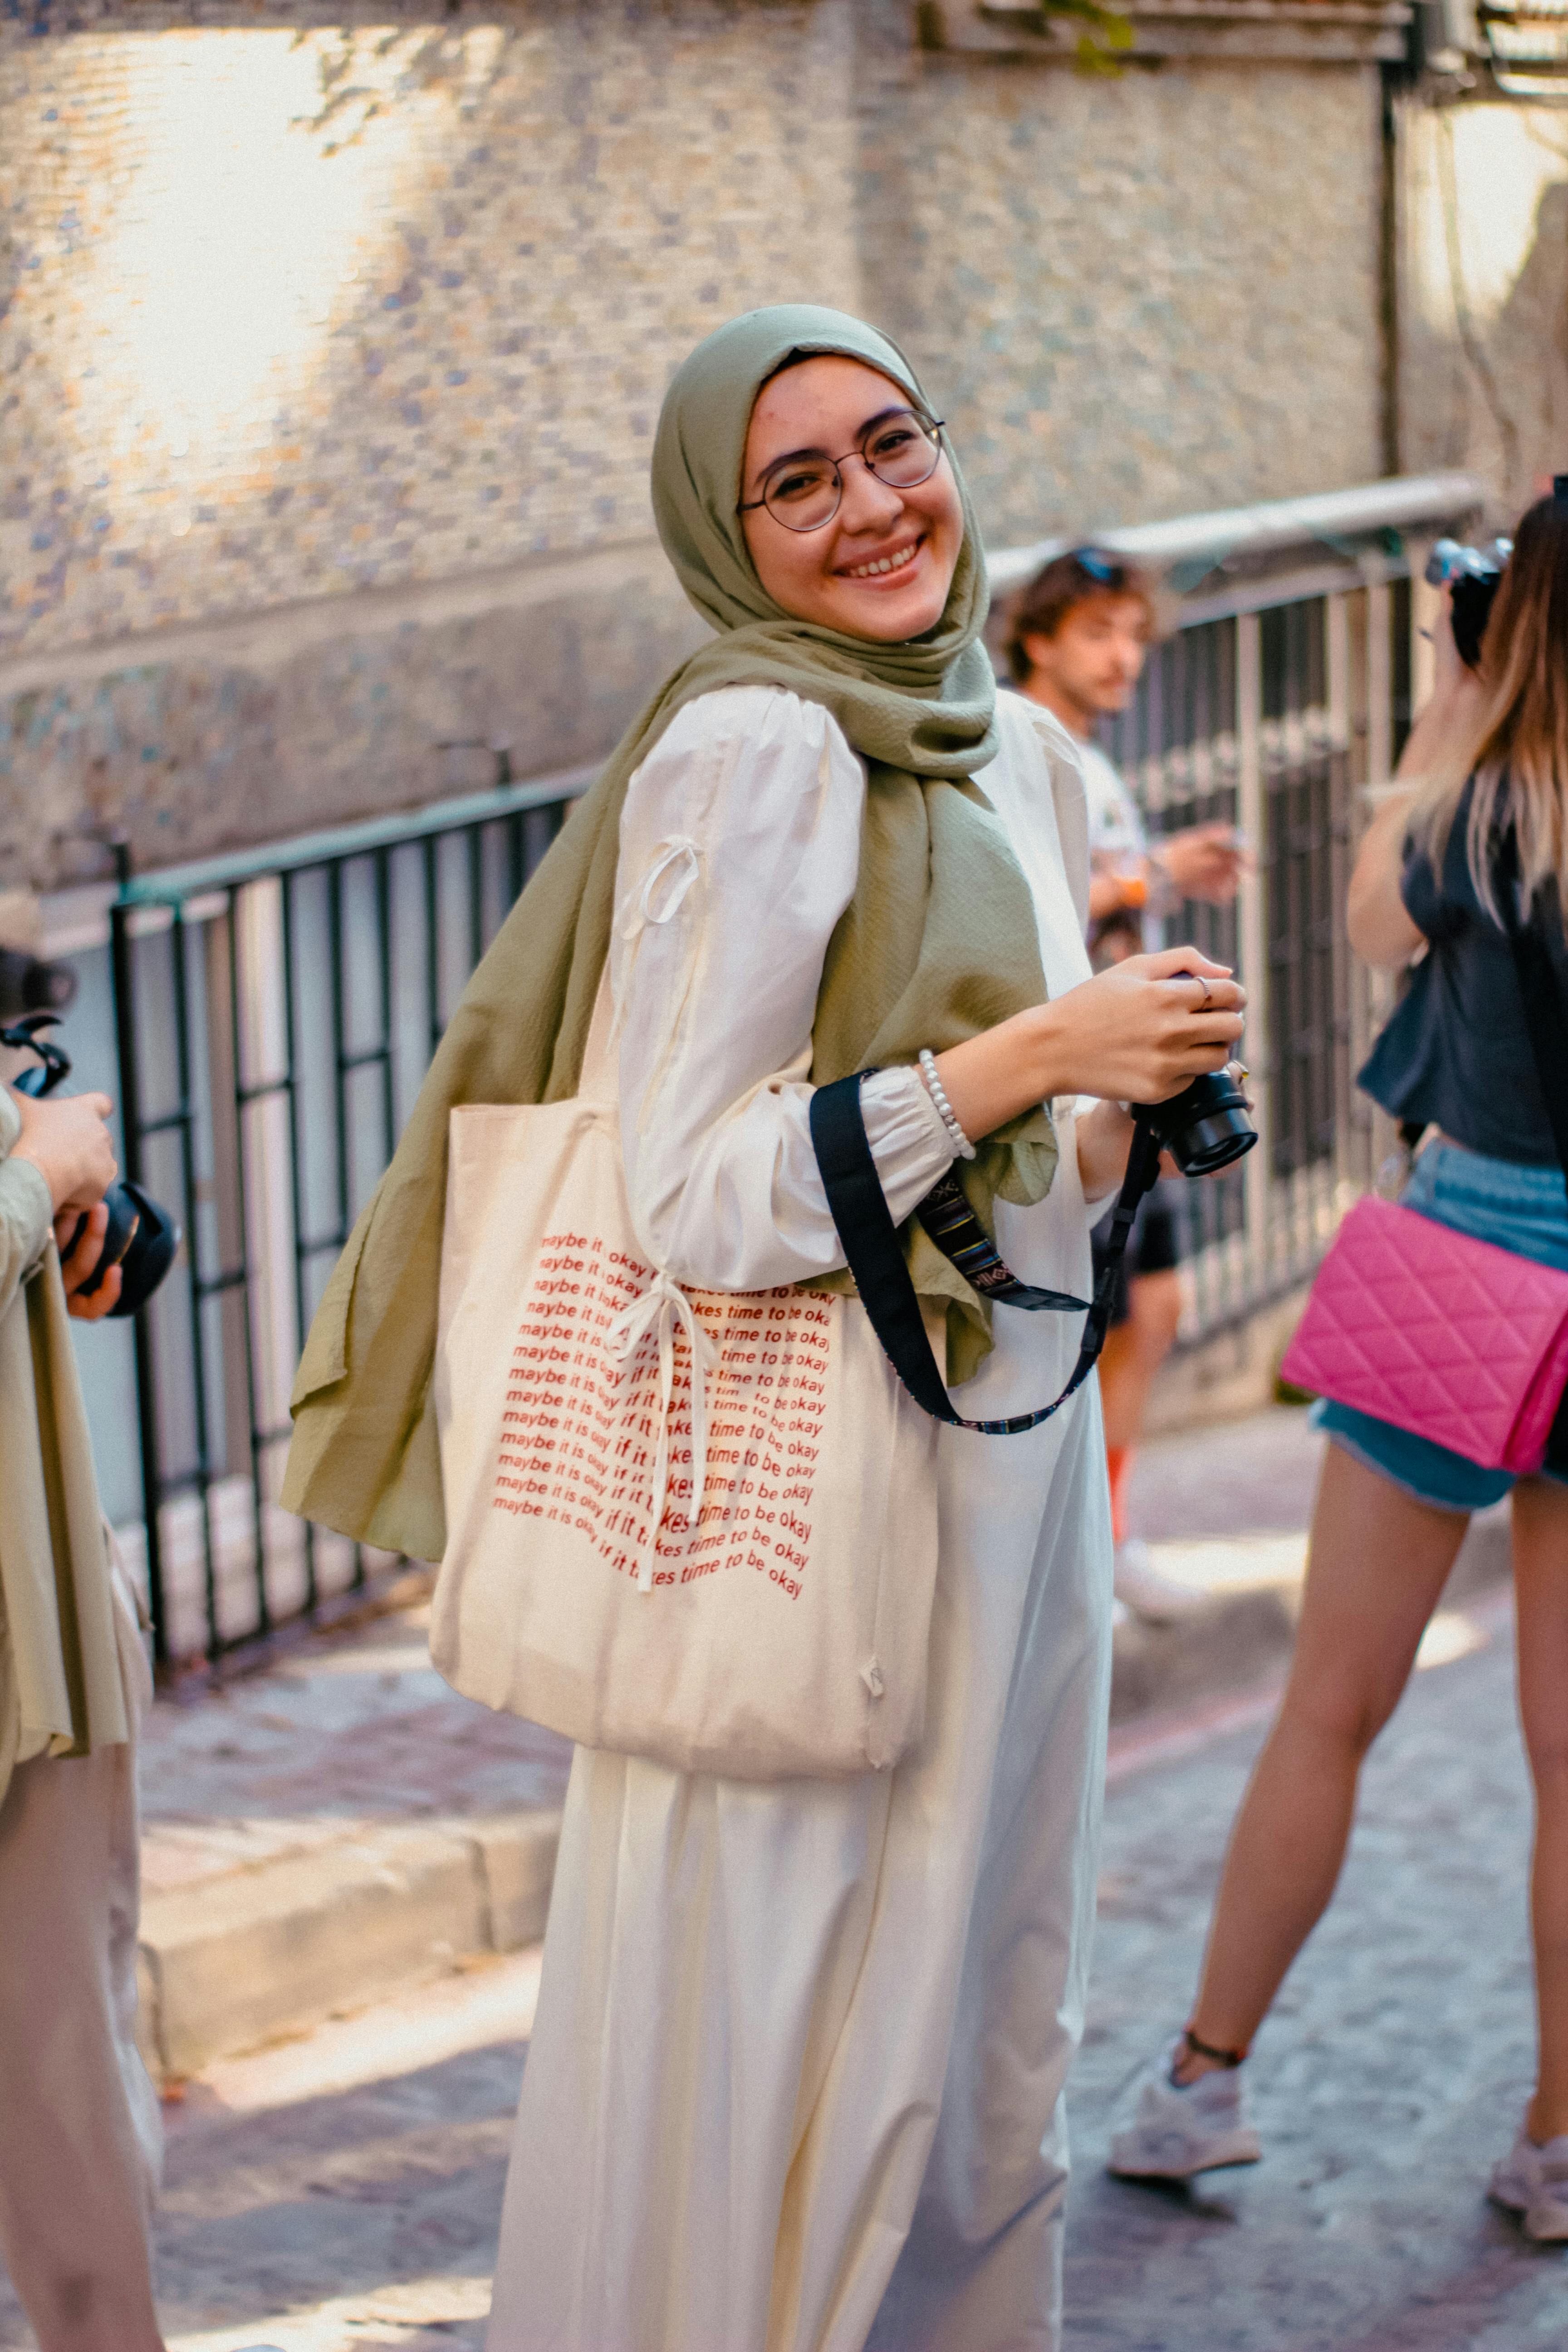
(739, 851)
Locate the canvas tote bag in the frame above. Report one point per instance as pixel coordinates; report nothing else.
(687, 1524)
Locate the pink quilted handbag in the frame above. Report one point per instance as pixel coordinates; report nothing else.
(1451, 1339)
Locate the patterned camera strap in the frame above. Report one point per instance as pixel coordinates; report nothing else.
(871, 1250)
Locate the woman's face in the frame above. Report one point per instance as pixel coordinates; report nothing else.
(882, 567)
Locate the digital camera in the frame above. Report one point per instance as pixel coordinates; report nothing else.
(140, 1238)
(1473, 574)
(1203, 1127)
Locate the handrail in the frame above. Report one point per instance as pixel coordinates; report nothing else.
(1394, 504)
(170, 883)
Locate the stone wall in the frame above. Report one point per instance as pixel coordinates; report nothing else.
(330, 352)
(1484, 293)
(1140, 295)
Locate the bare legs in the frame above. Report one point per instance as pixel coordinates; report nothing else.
(1540, 1586)
(1376, 1567)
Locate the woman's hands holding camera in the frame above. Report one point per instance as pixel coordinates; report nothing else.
(1137, 1031)
(1143, 1028)
(68, 1143)
(78, 1264)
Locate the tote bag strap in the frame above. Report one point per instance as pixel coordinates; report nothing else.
(872, 1253)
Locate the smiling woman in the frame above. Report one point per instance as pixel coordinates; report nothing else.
(762, 2107)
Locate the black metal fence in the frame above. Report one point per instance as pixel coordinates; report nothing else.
(1273, 717)
(276, 1012)
(274, 1015)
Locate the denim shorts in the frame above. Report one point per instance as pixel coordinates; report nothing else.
(1520, 1207)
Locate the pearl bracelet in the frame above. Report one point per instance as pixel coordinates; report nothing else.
(945, 1112)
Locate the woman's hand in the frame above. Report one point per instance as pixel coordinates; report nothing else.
(69, 1144)
(78, 1264)
(1138, 1031)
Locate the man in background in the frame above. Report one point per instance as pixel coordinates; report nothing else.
(1077, 642)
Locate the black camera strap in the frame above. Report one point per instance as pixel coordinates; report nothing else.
(874, 1258)
(25, 1036)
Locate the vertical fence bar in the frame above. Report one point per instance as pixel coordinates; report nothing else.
(241, 1274)
(433, 1022)
(297, 1183)
(184, 1121)
(1252, 923)
(121, 961)
(383, 945)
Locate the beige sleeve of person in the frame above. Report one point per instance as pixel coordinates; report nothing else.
(27, 1208)
(740, 846)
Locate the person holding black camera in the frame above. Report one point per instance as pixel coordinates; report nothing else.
(81, 2141)
(1463, 871)
(81, 2136)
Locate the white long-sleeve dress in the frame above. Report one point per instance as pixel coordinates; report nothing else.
(795, 2082)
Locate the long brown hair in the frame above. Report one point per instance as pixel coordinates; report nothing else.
(1521, 739)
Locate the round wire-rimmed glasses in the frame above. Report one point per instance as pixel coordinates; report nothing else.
(803, 491)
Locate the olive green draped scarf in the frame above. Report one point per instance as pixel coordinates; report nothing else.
(938, 943)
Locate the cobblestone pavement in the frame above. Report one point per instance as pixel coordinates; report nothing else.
(343, 2191)
(1390, 2077)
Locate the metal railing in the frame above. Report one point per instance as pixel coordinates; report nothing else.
(1274, 720)
(276, 1012)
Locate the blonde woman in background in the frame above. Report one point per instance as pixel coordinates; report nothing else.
(1486, 788)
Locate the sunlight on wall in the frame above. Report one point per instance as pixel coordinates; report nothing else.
(1478, 177)
(239, 237)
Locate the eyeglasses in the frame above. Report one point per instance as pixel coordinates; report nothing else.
(1106, 569)
(803, 492)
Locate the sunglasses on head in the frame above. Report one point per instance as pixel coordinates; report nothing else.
(1109, 570)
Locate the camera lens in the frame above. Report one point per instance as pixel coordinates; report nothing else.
(1203, 1127)
(1213, 1142)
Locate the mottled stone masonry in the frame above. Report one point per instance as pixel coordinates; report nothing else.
(332, 344)
(1141, 296)
(298, 310)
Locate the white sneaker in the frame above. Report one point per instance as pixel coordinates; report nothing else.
(1533, 2181)
(1172, 2131)
(1140, 1587)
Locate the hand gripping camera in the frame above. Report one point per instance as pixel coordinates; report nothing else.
(1473, 574)
(141, 1238)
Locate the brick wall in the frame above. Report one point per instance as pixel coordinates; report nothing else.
(331, 354)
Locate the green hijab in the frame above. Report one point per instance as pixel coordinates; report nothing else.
(939, 942)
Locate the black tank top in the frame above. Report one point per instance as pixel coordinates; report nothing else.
(1456, 1051)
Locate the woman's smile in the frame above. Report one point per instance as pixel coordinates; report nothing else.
(879, 570)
